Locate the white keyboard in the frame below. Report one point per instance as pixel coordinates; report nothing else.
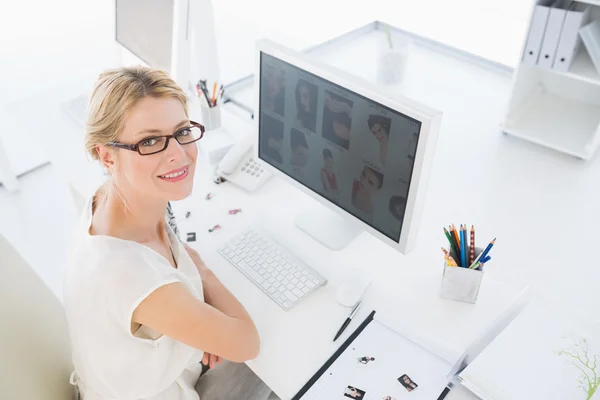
(271, 267)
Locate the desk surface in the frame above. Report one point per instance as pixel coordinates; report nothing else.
(296, 343)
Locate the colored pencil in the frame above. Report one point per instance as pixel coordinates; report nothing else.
(449, 259)
(472, 246)
(463, 250)
(487, 249)
(214, 96)
(452, 243)
(456, 239)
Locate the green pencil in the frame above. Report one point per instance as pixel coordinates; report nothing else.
(452, 243)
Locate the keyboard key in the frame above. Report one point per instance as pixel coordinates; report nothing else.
(291, 297)
(305, 289)
(290, 286)
(310, 284)
(272, 290)
(298, 292)
(272, 280)
(298, 274)
(295, 281)
(265, 285)
(303, 279)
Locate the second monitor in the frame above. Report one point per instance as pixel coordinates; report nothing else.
(364, 155)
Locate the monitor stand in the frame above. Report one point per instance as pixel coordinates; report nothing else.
(326, 226)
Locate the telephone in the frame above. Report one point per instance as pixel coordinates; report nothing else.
(240, 167)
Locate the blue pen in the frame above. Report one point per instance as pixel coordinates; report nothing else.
(463, 253)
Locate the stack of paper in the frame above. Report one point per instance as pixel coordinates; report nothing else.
(543, 354)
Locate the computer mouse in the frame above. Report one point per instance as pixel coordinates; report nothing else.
(350, 290)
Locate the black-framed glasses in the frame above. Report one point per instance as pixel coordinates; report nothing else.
(156, 144)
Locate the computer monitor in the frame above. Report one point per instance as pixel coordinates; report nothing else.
(364, 155)
(174, 35)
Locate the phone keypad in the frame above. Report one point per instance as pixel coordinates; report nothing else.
(252, 168)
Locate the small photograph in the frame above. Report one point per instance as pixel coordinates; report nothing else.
(300, 152)
(364, 188)
(306, 105)
(388, 398)
(271, 138)
(273, 90)
(380, 128)
(337, 119)
(407, 383)
(328, 174)
(397, 205)
(365, 360)
(354, 393)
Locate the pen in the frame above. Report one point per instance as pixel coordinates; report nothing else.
(348, 320)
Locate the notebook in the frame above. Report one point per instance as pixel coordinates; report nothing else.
(535, 357)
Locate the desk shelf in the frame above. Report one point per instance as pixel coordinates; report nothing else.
(556, 109)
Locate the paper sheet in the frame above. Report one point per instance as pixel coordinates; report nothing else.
(371, 366)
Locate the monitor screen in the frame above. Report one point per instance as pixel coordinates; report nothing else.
(356, 153)
(145, 28)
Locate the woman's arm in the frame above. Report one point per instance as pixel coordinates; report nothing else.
(220, 325)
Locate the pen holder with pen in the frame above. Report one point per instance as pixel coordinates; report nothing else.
(211, 117)
(461, 284)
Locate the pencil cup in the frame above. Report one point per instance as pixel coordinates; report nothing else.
(211, 117)
(461, 284)
(391, 62)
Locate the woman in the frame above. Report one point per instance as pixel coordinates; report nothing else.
(300, 150)
(364, 188)
(328, 175)
(306, 101)
(380, 128)
(144, 311)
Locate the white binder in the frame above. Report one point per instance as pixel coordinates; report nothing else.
(578, 15)
(536, 33)
(556, 20)
(590, 34)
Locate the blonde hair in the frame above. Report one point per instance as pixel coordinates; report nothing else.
(115, 93)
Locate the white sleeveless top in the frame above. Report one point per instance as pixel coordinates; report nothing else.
(106, 279)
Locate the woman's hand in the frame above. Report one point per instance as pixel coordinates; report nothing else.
(211, 360)
(200, 266)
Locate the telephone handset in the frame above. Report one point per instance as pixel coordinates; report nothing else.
(240, 167)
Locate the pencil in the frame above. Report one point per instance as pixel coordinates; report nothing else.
(472, 248)
(214, 94)
(452, 244)
(456, 237)
(487, 249)
(463, 244)
(449, 260)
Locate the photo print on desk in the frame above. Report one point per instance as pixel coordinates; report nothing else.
(272, 90)
(407, 383)
(354, 393)
(271, 138)
(306, 104)
(337, 119)
(380, 129)
(365, 360)
(364, 189)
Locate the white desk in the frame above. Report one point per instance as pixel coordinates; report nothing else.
(296, 343)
